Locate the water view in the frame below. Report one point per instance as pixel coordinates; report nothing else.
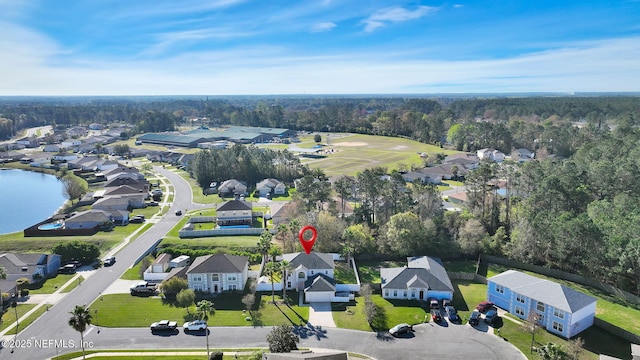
(27, 198)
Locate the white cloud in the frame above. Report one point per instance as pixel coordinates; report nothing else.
(457, 6)
(395, 14)
(323, 26)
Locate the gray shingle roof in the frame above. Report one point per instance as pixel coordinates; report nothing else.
(235, 205)
(319, 282)
(423, 272)
(218, 264)
(311, 261)
(546, 291)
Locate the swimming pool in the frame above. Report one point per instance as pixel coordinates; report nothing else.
(234, 226)
(50, 226)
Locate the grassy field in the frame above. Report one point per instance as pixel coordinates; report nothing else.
(391, 312)
(50, 285)
(124, 310)
(355, 153)
(26, 322)
(212, 242)
(369, 271)
(9, 317)
(344, 274)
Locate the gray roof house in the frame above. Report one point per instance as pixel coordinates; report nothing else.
(424, 277)
(30, 266)
(88, 219)
(559, 309)
(232, 186)
(312, 273)
(268, 186)
(235, 212)
(218, 273)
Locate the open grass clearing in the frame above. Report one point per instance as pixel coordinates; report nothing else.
(212, 242)
(50, 285)
(26, 322)
(369, 271)
(9, 317)
(357, 152)
(343, 273)
(390, 312)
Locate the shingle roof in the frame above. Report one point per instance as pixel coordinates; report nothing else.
(310, 261)
(423, 271)
(546, 291)
(319, 282)
(235, 205)
(90, 215)
(218, 263)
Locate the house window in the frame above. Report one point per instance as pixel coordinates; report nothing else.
(197, 287)
(520, 298)
(540, 306)
(300, 275)
(326, 272)
(311, 272)
(519, 311)
(558, 326)
(395, 293)
(413, 294)
(558, 313)
(386, 293)
(288, 284)
(500, 289)
(231, 277)
(214, 277)
(197, 278)
(404, 293)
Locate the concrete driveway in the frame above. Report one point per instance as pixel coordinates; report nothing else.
(320, 315)
(121, 286)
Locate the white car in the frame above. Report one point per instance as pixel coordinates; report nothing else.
(195, 325)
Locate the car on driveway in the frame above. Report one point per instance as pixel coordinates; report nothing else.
(138, 219)
(435, 315)
(484, 306)
(474, 318)
(164, 325)
(400, 329)
(434, 304)
(195, 325)
(452, 314)
(491, 316)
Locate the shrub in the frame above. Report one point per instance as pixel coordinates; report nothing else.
(218, 355)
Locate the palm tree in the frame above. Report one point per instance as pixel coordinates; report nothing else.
(282, 234)
(80, 319)
(205, 308)
(294, 226)
(271, 269)
(3, 275)
(285, 267)
(264, 243)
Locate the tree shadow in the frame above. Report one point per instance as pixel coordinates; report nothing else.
(285, 315)
(379, 321)
(256, 318)
(308, 330)
(299, 316)
(384, 336)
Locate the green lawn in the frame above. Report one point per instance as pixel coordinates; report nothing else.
(391, 312)
(344, 274)
(132, 273)
(50, 285)
(467, 266)
(9, 317)
(212, 242)
(26, 322)
(124, 310)
(111, 354)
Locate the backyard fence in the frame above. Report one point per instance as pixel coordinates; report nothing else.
(219, 232)
(629, 336)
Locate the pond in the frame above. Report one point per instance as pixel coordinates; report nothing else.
(26, 198)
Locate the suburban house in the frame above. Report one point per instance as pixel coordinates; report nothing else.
(522, 155)
(271, 186)
(491, 155)
(232, 187)
(217, 273)
(88, 219)
(559, 309)
(121, 202)
(30, 266)
(282, 213)
(234, 212)
(423, 278)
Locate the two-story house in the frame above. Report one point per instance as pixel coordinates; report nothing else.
(557, 308)
(217, 273)
(234, 212)
(312, 273)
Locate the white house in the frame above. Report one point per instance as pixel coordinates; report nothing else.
(423, 278)
(491, 155)
(234, 212)
(217, 273)
(269, 186)
(559, 309)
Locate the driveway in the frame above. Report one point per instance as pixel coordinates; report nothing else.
(121, 286)
(320, 315)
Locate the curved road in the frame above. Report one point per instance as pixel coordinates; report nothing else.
(51, 335)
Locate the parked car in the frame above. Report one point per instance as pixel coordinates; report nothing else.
(178, 212)
(484, 306)
(164, 325)
(474, 318)
(400, 329)
(435, 315)
(434, 304)
(109, 261)
(195, 325)
(452, 314)
(67, 269)
(137, 219)
(152, 203)
(491, 316)
(446, 302)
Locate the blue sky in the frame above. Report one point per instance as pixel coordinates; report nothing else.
(231, 47)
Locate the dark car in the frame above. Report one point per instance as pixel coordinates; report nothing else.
(67, 269)
(178, 212)
(434, 304)
(452, 314)
(164, 325)
(484, 306)
(435, 315)
(400, 329)
(474, 318)
(491, 316)
(109, 261)
(137, 219)
(152, 203)
(446, 302)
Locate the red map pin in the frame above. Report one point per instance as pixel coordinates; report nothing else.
(307, 245)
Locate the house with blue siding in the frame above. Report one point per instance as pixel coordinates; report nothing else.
(561, 310)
